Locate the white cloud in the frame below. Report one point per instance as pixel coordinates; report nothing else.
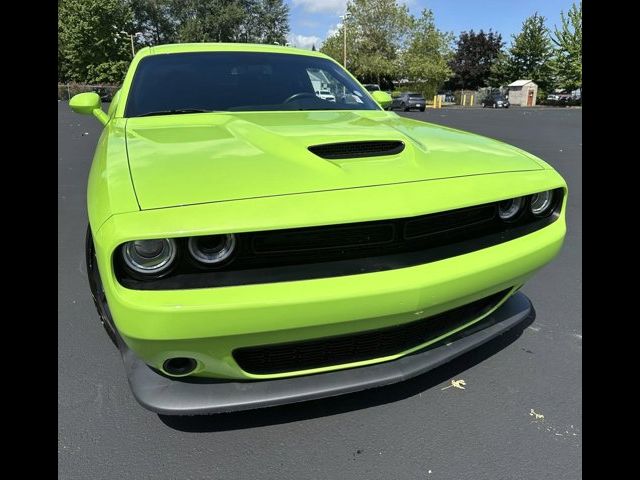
(315, 6)
(333, 29)
(303, 41)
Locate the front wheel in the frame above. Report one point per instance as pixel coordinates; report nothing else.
(422, 109)
(495, 106)
(406, 109)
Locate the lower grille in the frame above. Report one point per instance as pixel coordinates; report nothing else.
(343, 349)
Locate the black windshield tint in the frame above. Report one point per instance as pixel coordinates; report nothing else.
(415, 95)
(241, 81)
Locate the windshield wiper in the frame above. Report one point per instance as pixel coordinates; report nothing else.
(176, 111)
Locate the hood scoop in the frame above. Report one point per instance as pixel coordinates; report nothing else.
(333, 151)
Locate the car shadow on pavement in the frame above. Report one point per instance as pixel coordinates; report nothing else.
(344, 403)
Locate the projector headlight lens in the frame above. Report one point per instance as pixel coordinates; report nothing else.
(541, 203)
(150, 257)
(509, 210)
(212, 249)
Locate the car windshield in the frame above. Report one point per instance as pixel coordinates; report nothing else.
(415, 95)
(240, 81)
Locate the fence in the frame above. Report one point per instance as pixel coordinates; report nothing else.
(68, 90)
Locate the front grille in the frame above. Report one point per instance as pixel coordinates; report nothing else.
(344, 349)
(357, 149)
(345, 249)
(322, 238)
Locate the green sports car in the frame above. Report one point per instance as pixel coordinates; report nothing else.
(252, 243)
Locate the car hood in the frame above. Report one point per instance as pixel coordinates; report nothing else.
(212, 157)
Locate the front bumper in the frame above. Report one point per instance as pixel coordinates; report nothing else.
(208, 324)
(204, 396)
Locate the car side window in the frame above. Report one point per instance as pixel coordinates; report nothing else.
(325, 83)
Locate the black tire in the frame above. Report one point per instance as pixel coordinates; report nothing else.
(495, 105)
(97, 291)
(422, 109)
(405, 108)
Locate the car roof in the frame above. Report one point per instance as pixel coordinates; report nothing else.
(225, 47)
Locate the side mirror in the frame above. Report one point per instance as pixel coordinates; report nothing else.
(89, 103)
(383, 98)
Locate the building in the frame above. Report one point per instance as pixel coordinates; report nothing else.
(523, 93)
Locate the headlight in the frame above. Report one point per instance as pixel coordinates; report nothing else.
(212, 249)
(150, 256)
(541, 203)
(509, 210)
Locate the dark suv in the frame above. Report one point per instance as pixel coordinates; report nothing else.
(408, 101)
(495, 101)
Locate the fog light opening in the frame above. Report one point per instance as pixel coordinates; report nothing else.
(179, 366)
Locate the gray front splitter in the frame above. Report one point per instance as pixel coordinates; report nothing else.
(204, 396)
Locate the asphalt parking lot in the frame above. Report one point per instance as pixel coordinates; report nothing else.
(414, 430)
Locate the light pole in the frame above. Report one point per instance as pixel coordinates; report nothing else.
(344, 18)
(131, 35)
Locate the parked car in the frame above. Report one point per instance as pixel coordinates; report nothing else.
(559, 99)
(252, 247)
(496, 101)
(409, 101)
(326, 95)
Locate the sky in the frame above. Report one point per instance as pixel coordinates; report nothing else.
(312, 21)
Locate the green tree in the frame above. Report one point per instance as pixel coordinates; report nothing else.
(255, 21)
(273, 25)
(377, 30)
(155, 20)
(474, 56)
(530, 56)
(332, 45)
(568, 56)
(210, 20)
(501, 73)
(90, 47)
(425, 61)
